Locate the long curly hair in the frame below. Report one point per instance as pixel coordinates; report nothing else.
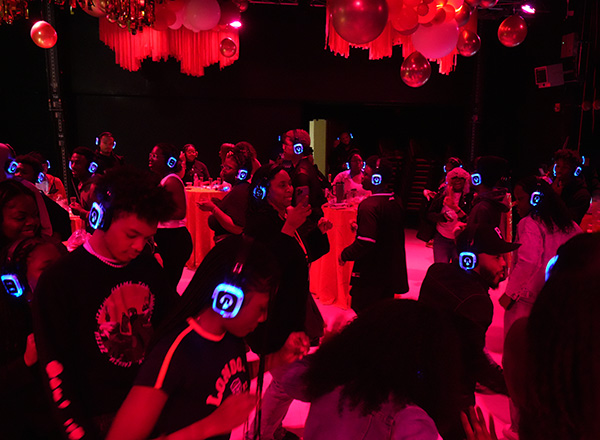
(551, 210)
(400, 350)
(563, 343)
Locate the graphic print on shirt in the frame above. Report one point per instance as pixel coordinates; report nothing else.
(232, 370)
(124, 327)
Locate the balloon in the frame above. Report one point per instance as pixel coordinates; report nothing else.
(228, 47)
(440, 16)
(359, 21)
(202, 15)
(407, 18)
(415, 70)
(463, 14)
(411, 3)
(512, 31)
(43, 34)
(450, 12)
(456, 4)
(163, 18)
(436, 41)
(473, 3)
(429, 15)
(485, 4)
(468, 43)
(586, 106)
(178, 20)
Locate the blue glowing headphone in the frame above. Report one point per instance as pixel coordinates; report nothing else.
(41, 177)
(577, 171)
(376, 179)
(260, 192)
(11, 166)
(171, 162)
(242, 174)
(228, 296)
(106, 133)
(13, 276)
(550, 265)
(536, 198)
(476, 179)
(93, 167)
(97, 215)
(467, 260)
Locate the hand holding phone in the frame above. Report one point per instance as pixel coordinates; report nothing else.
(301, 195)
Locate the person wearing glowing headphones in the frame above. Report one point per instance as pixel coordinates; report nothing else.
(461, 289)
(569, 183)
(105, 155)
(378, 252)
(83, 167)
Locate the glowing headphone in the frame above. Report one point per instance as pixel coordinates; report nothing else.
(577, 171)
(41, 177)
(228, 296)
(376, 177)
(242, 174)
(260, 192)
(48, 163)
(536, 198)
(447, 171)
(14, 277)
(99, 138)
(171, 162)
(550, 265)
(476, 179)
(467, 260)
(100, 213)
(93, 167)
(11, 166)
(96, 217)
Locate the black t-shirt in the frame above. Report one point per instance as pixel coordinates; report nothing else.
(93, 322)
(378, 250)
(201, 372)
(234, 204)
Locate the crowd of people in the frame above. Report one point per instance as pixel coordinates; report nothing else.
(97, 343)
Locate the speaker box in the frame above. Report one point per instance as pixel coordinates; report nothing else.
(549, 76)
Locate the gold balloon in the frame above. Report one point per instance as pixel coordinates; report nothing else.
(43, 34)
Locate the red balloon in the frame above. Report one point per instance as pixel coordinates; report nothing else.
(242, 5)
(359, 21)
(97, 10)
(512, 31)
(43, 34)
(463, 15)
(485, 4)
(228, 47)
(473, 3)
(468, 43)
(411, 3)
(406, 18)
(409, 31)
(415, 70)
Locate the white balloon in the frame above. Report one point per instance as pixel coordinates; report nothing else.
(436, 41)
(202, 15)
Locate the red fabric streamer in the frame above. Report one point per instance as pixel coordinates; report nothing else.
(194, 50)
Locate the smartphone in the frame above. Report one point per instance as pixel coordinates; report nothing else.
(301, 195)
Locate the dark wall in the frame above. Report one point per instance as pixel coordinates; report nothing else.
(283, 79)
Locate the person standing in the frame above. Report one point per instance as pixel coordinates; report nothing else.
(378, 251)
(94, 310)
(192, 166)
(172, 238)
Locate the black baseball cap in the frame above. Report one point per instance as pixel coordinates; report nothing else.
(484, 239)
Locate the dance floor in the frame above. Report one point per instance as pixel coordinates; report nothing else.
(419, 258)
